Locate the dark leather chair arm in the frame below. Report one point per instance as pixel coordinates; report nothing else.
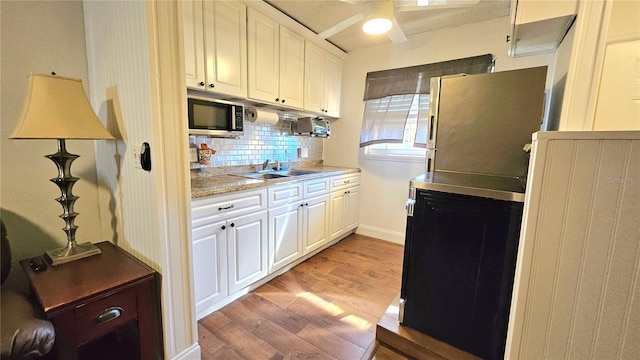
(23, 334)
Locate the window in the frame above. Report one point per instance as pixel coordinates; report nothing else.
(394, 122)
(410, 106)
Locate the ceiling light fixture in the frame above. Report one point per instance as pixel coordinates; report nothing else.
(378, 15)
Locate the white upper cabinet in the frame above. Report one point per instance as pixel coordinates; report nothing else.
(194, 60)
(291, 68)
(323, 78)
(332, 85)
(538, 26)
(215, 46)
(275, 62)
(314, 78)
(263, 39)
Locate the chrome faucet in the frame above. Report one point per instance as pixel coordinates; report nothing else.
(264, 164)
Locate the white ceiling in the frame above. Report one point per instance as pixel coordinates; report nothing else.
(320, 15)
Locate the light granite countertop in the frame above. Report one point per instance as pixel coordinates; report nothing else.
(216, 184)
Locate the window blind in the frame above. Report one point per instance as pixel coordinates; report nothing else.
(386, 119)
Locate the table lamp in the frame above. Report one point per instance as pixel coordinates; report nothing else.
(57, 107)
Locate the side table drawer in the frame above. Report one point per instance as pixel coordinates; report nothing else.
(98, 317)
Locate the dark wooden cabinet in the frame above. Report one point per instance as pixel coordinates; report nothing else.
(458, 271)
(89, 298)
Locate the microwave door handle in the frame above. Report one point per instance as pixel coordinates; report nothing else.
(232, 118)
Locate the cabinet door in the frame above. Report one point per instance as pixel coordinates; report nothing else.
(263, 66)
(285, 235)
(291, 68)
(209, 266)
(226, 47)
(332, 85)
(352, 210)
(337, 207)
(247, 249)
(314, 89)
(194, 57)
(316, 221)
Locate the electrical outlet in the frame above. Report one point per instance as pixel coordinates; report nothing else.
(303, 153)
(137, 163)
(193, 155)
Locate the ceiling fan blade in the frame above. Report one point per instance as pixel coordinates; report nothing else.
(341, 26)
(413, 5)
(396, 34)
(355, 2)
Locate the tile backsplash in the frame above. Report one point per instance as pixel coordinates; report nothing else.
(259, 143)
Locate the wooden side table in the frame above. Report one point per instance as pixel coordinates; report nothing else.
(91, 297)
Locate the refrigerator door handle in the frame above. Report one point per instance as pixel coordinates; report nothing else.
(431, 127)
(401, 310)
(410, 206)
(411, 202)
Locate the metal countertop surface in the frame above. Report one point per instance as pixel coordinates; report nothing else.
(488, 186)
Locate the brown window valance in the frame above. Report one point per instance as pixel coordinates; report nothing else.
(416, 79)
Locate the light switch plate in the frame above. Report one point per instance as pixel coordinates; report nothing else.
(303, 153)
(136, 157)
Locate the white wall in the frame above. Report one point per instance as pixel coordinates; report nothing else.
(40, 37)
(385, 183)
(617, 106)
(120, 82)
(139, 89)
(624, 21)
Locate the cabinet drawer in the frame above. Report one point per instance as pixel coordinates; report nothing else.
(214, 208)
(279, 195)
(316, 187)
(102, 316)
(344, 181)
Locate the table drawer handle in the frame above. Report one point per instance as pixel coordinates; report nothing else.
(109, 314)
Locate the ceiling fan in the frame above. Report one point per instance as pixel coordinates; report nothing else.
(380, 19)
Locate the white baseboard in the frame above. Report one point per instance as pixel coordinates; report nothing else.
(191, 353)
(382, 234)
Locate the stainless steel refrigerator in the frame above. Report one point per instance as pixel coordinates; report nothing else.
(464, 214)
(480, 123)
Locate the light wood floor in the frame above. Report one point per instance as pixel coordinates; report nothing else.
(325, 308)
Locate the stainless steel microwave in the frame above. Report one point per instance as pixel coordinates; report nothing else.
(215, 118)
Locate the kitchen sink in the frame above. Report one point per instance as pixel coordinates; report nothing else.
(276, 174)
(264, 176)
(293, 172)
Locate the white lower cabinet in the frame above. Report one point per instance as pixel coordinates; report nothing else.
(316, 223)
(344, 204)
(240, 238)
(301, 226)
(228, 256)
(285, 235)
(352, 206)
(247, 250)
(210, 266)
(226, 228)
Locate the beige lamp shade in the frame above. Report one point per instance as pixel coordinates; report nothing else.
(57, 107)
